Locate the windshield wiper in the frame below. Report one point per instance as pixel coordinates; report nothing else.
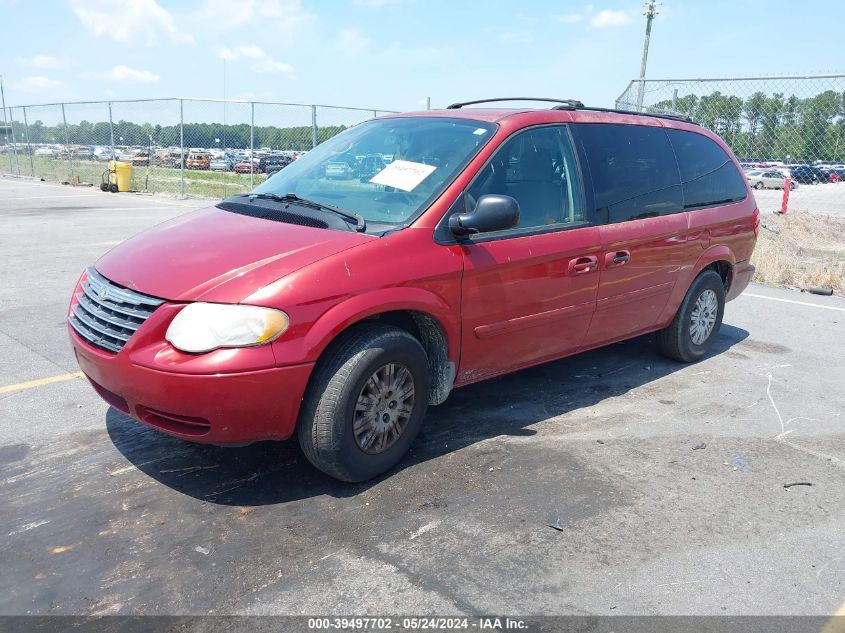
(360, 222)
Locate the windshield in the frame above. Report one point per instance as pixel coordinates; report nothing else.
(386, 170)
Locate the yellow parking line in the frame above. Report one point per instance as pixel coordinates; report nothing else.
(836, 624)
(40, 382)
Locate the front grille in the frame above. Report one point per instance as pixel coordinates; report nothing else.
(106, 314)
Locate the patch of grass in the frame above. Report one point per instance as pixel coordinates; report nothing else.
(800, 250)
(207, 184)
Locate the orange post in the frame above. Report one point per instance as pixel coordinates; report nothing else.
(787, 186)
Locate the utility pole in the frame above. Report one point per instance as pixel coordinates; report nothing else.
(650, 10)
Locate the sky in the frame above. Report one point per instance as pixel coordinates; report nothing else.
(393, 54)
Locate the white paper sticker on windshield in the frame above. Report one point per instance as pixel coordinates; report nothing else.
(479, 131)
(403, 174)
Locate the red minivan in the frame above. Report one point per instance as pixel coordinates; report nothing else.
(486, 241)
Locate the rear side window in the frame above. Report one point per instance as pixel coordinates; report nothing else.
(633, 170)
(708, 175)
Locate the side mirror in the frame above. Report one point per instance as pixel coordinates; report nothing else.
(492, 212)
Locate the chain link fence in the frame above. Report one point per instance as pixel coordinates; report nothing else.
(187, 147)
(778, 127)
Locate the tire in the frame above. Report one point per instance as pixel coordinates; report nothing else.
(759, 185)
(682, 340)
(344, 379)
(792, 186)
(113, 188)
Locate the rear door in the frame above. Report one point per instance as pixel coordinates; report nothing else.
(712, 186)
(637, 193)
(528, 293)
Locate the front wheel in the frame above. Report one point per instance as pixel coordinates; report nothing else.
(759, 185)
(365, 403)
(697, 322)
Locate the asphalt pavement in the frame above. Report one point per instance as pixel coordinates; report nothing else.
(612, 482)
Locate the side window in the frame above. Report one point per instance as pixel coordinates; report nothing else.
(633, 169)
(537, 168)
(708, 174)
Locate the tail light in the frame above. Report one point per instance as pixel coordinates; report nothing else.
(755, 221)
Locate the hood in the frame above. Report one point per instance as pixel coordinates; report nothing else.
(216, 255)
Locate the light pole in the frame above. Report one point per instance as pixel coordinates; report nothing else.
(650, 11)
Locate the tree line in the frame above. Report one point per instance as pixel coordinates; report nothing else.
(770, 127)
(207, 135)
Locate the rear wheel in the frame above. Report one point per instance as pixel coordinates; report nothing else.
(697, 322)
(758, 185)
(365, 403)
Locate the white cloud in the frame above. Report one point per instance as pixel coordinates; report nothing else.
(37, 83)
(608, 17)
(235, 13)
(569, 18)
(46, 62)
(129, 21)
(352, 40)
(262, 62)
(250, 51)
(125, 73)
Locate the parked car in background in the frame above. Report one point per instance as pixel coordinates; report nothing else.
(835, 175)
(806, 174)
(768, 179)
(141, 159)
(221, 163)
(84, 152)
(246, 167)
(337, 312)
(199, 160)
(273, 163)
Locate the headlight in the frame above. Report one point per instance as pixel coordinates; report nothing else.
(202, 327)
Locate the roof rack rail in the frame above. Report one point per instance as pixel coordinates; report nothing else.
(673, 117)
(565, 104)
(573, 104)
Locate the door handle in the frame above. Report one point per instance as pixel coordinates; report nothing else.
(615, 259)
(583, 265)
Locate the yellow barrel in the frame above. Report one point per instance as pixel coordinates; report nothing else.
(123, 175)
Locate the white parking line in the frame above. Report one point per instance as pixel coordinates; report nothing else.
(800, 303)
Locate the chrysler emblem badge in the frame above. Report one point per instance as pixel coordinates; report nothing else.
(104, 292)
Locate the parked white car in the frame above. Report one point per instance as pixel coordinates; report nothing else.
(768, 179)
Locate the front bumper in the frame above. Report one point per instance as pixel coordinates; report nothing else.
(213, 408)
(741, 277)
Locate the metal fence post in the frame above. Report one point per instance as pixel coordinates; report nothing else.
(251, 144)
(313, 126)
(6, 128)
(67, 145)
(28, 143)
(14, 141)
(111, 132)
(9, 129)
(182, 145)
